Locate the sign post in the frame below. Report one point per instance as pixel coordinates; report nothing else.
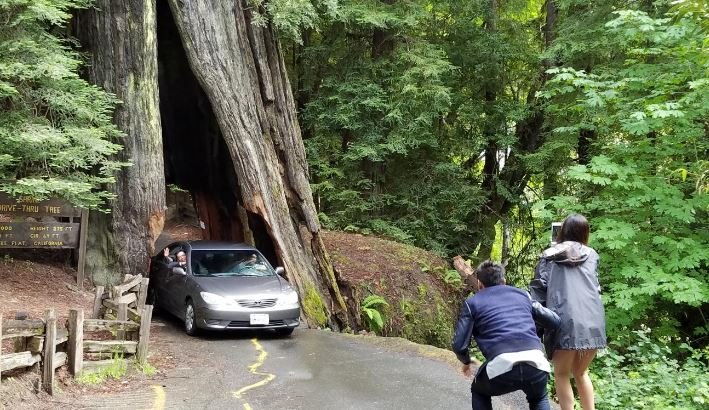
(53, 224)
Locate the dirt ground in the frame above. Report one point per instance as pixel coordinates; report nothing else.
(35, 286)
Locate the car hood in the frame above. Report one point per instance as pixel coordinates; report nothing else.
(242, 286)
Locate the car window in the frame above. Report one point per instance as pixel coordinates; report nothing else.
(230, 263)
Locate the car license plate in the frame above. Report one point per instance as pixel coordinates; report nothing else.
(259, 318)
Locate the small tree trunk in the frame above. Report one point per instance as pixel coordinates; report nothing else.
(121, 39)
(506, 241)
(242, 72)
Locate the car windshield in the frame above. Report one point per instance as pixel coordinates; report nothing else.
(229, 263)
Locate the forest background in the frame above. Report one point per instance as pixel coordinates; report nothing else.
(462, 127)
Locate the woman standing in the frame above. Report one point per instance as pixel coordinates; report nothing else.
(566, 281)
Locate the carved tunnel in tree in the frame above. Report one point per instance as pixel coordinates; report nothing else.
(196, 156)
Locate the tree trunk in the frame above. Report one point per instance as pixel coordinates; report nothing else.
(120, 36)
(241, 70)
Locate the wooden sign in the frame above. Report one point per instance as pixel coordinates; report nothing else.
(28, 223)
(27, 206)
(63, 235)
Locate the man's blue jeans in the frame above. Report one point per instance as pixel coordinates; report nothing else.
(529, 379)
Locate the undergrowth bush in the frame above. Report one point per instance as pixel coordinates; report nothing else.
(646, 374)
(116, 370)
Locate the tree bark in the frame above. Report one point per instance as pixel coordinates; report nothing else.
(241, 69)
(121, 39)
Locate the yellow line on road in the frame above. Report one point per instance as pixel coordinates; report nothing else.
(254, 370)
(159, 403)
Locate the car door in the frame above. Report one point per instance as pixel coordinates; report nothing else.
(173, 287)
(159, 274)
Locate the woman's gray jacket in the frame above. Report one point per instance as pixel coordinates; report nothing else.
(566, 281)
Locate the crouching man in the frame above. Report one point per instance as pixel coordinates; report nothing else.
(502, 318)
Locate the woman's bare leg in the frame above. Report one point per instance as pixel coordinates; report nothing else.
(583, 381)
(563, 365)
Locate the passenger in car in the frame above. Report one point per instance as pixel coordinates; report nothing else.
(181, 259)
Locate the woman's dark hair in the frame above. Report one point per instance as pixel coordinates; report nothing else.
(575, 228)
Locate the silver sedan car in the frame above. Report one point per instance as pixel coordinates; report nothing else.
(222, 285)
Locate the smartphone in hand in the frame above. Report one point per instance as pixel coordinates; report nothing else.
(555, 229)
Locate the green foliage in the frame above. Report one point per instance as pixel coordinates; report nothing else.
(394, 134)
(452, 277)
(644, 186)
(291, 16)
(426, 322)
(116, 370)
(373, 312)
(56, 129)
(175, 188)
(146, 368)
(647, 375)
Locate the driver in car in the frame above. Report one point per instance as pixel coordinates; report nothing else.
(251, 261)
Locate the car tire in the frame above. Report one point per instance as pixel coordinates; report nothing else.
(286, 331)
(190, 319)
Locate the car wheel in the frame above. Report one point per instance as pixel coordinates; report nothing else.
(190, 319)
(286, 331)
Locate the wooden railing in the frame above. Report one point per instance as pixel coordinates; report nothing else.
(132, 293)
(131, 340)
(35, 341)
(41, 341)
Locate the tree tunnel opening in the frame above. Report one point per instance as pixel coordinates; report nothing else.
(197, 159)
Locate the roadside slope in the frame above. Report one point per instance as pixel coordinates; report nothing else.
(421, 304)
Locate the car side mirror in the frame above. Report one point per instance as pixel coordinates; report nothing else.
(178, 271)
(280, 271)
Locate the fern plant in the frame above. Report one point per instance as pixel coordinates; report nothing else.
(373, 309)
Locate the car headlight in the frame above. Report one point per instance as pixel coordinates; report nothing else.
(212, 299)
(289, 298)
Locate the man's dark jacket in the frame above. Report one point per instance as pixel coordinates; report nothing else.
(501, 319)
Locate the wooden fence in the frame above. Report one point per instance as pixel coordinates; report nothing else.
(35, 341)
(124, 301)
(41, 341)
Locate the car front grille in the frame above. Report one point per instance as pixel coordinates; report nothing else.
(256, 303)
(246, 323)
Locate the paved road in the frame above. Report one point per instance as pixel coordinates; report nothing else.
(310, 370)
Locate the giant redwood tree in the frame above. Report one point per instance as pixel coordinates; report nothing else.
(120, 36)
(226, 117)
